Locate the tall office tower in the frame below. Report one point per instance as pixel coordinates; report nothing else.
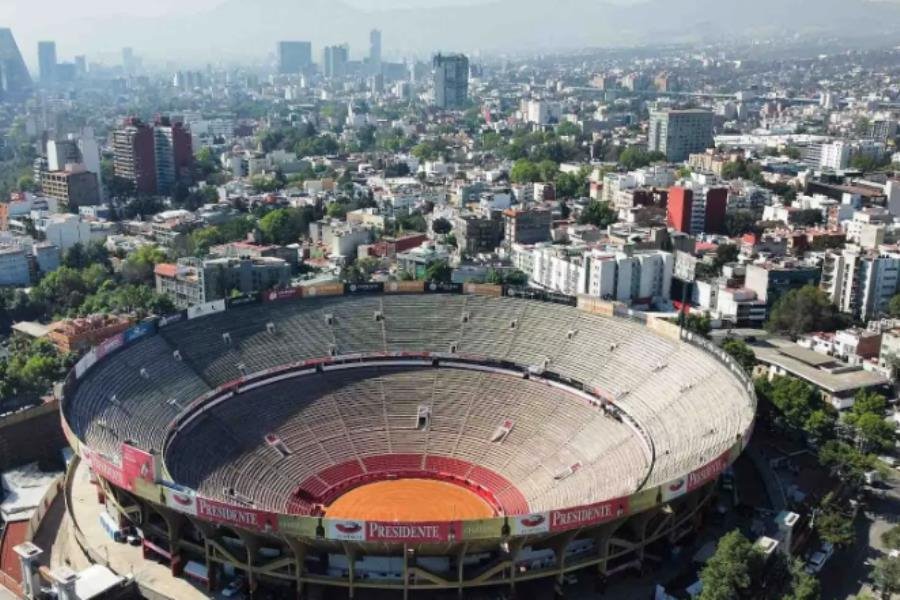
(173, 154)
(334, 60)
(14, 78)
(81, 65)
(47, 61)
(134, 155)
(451, 80)
(680, 133)
(129, 62)
(294, 57)
(375, 46)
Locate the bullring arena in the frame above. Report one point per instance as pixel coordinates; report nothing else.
(405, 437)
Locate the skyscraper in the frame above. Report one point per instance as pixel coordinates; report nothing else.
(14, 77)
(334, 61)
(294, 57)
(680, 133)
(47, 61)
(375, 46)
(134, 155)
(451, 80)
(173, 154)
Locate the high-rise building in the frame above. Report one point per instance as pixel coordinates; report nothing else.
(696, 211)
(81, 65)
(679, 209)
(680, 133)
(14, 78)
(375, 46)
(130, 62)
(47, 61)
(334, 60)
(74, 187)
(294, 57)
(174, 155)
(451, 80)
(134, 155)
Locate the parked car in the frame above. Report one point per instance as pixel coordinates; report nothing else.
(819, 558)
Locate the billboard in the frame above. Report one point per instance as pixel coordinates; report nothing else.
(323, 289)
(242, 300)
(484, 289)
(84, 363)
(172, 318)
(139, 331)
(304, 527)
(106, 469)
(438, 287)
(180, 499)
(137, 466)
(585, 516)
(482, 529)
(419, 533)
(237, 516)
(207, 308)
(708, 472)
(275, 295)
(345, 530)
(404, 287)
(372, 287)
(530, 524)
(109, 345)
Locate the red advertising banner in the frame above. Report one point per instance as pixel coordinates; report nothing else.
(274, 295)
(137, 465)
(422, 533)
(110, 344)
(239, 516)
(708, 472)
(107, 470)
(591, 514)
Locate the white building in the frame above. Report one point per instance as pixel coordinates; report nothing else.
(861, 283)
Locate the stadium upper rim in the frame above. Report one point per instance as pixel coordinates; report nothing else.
(690, 406)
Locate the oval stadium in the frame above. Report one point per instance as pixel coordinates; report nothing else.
(418, 438)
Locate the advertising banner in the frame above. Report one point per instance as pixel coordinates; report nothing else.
(530, 524)
(372, 287)
(207, 308)
(109, 345)
(238, 516)
(351, 531)
(139, 331)
(173, 318)
(180, 499)
(107, 470)
(137, 465)
(643, 500)
(323, 289)
(437, 287)
(673, 489)
(275, 295)
(404, 287)
(420, 533)
(242, 300)
(483, 529)
(484, 289)
(84, 363)
(304, 527)
(591, 514)
(708, 472)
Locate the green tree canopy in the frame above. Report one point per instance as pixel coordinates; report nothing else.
(741, 352)
(802, 311)
(598, 214)
(439, 270)
(728, 574)
(285, 225)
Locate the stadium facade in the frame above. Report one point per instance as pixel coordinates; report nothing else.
(224, 432)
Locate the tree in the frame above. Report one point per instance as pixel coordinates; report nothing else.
(808, 217)
(699, 324)
(894, 307)
(728, 573)
(635, 157)
(875, 432)
(891, 538)
(886, 576)
(741, 352)
(845, 461)
(441, 226)
(803, 310)
(831, 524)
(725, 253)
(739, 222)
(336, 210)
(524, 171)
(138, 266)
(285, 225)
(598, 214)
(439, 270)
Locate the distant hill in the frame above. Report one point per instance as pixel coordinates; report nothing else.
(238, 28)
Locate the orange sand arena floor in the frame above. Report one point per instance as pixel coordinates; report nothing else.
(409, 500)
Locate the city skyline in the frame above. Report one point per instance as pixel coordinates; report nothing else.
(446, 25)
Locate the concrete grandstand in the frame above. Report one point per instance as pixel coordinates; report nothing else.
(228, 431)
